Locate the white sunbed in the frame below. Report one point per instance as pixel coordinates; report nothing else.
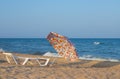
(26, 59)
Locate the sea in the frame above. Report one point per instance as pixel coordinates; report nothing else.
(107, 49)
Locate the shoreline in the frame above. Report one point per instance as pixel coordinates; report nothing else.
(61, 69)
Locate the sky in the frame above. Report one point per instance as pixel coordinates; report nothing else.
(71, 18)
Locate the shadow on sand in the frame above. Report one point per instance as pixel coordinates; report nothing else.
(76, 64)
(85, 64)
(105, 64)
(2, 61)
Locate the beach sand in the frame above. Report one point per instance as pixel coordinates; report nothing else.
(61, 69)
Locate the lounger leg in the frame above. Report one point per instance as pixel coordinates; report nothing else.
(47, 60)
(38, 61)
(53, 62)
(26, 59)
(7, 59)
(15, 60)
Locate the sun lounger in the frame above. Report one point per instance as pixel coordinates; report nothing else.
(26, 59)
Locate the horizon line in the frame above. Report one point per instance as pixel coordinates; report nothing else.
(67, 37)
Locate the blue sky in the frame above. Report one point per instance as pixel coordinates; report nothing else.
(72, 18)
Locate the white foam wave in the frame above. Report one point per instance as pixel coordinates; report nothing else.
(51, 54)
(90, 57)
(96, 43)
(1, 50)
(84, 57)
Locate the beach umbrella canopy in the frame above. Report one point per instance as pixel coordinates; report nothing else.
(63, 46)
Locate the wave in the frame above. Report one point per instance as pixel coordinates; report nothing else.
(51, 54)
(90, 57)
(84, 57)
(1, 50)
(96, 43)
(38, 53)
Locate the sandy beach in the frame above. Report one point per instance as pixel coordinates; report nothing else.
(61, 69)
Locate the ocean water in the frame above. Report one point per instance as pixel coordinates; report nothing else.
(87, 48)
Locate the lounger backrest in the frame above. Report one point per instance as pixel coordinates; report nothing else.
(10, 55)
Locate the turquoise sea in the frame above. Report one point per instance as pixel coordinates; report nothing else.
(87, 48)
